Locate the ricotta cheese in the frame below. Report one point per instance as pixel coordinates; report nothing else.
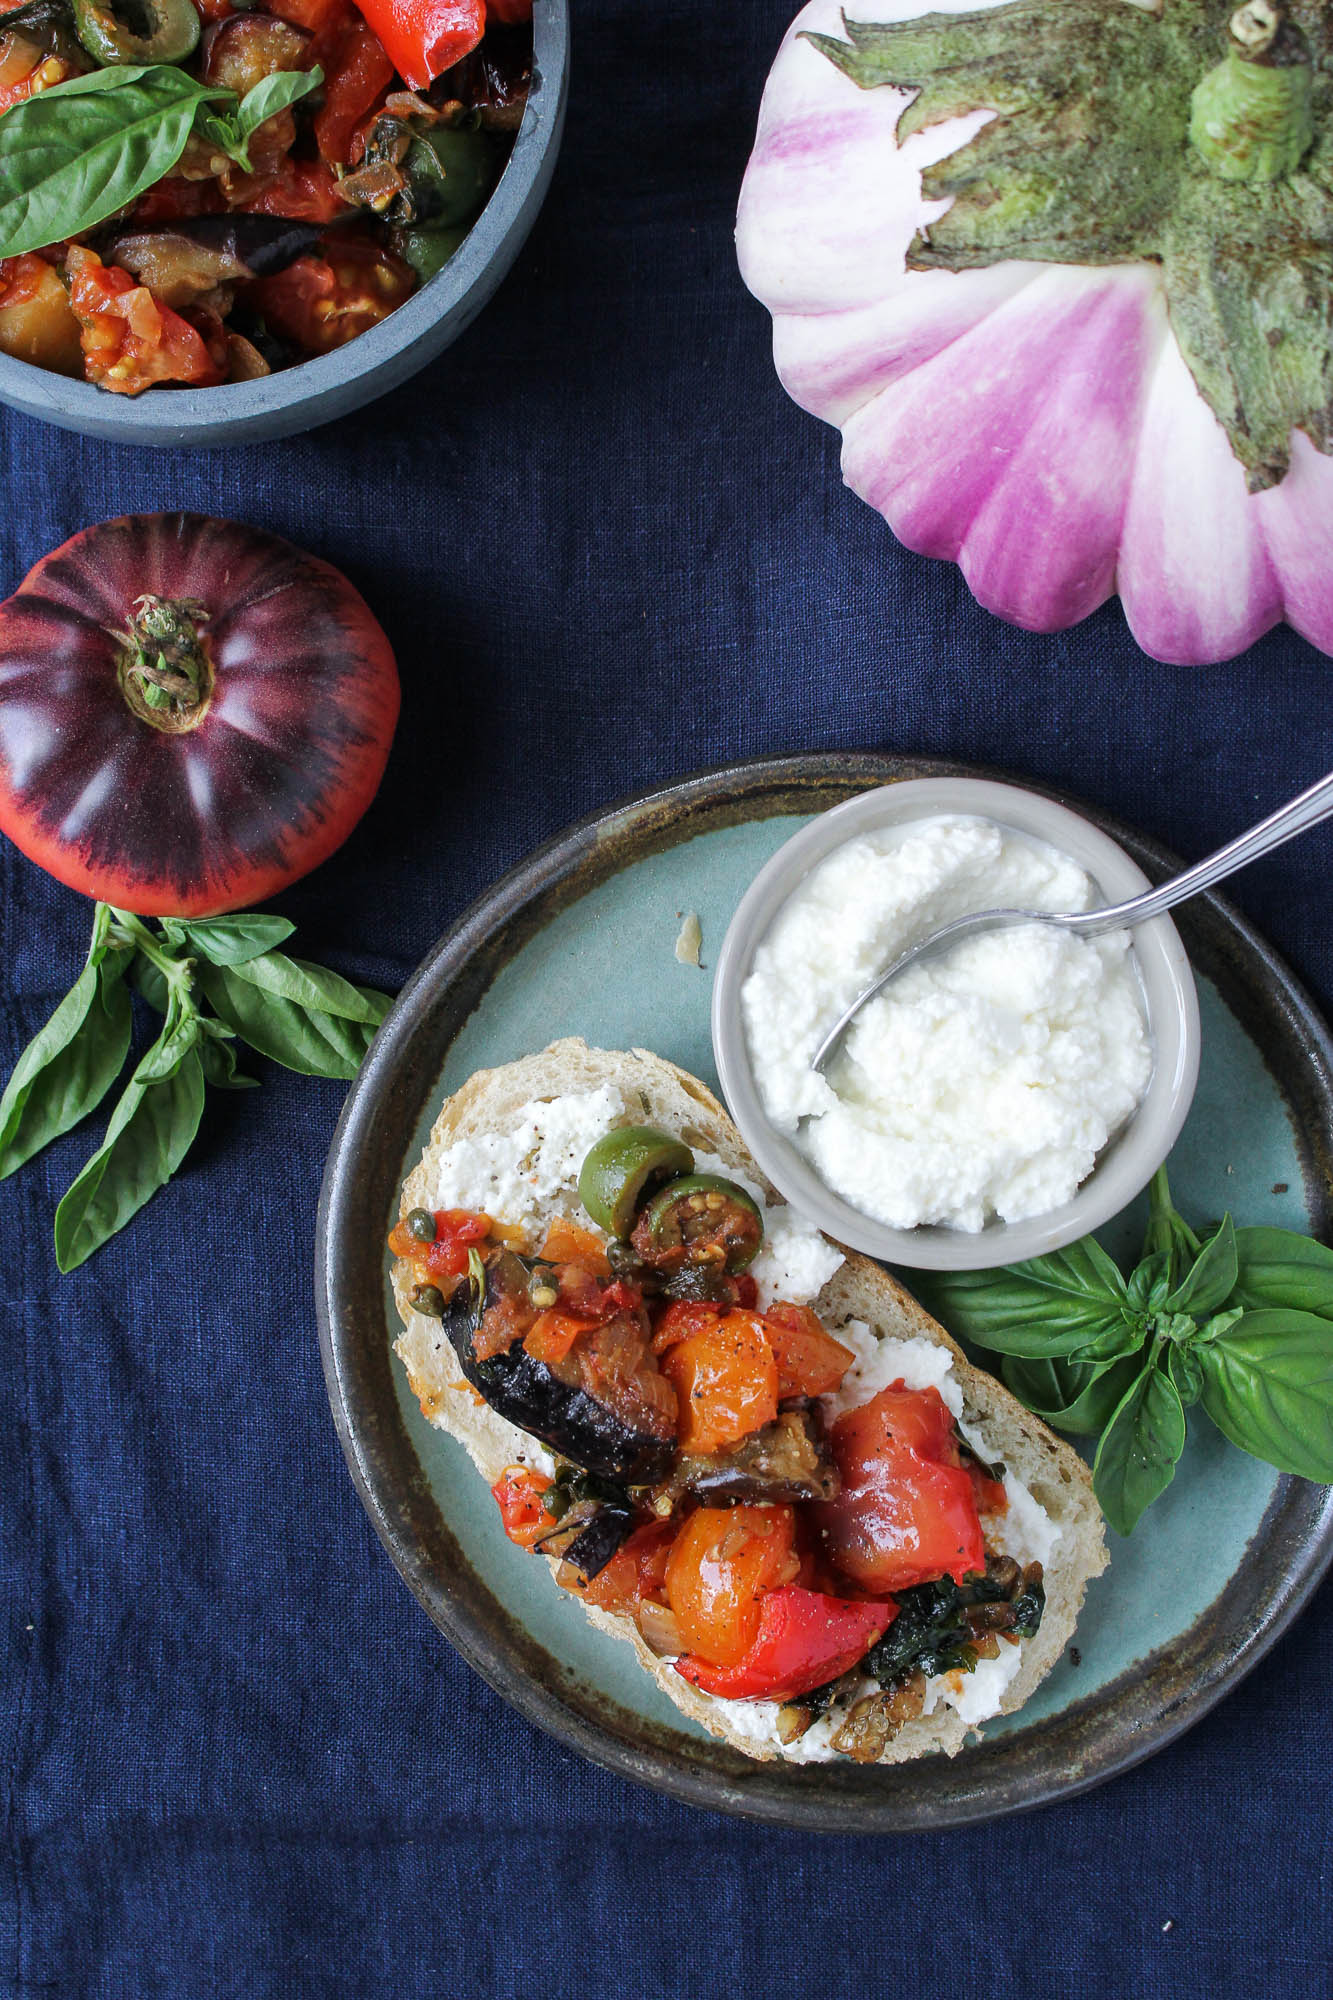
(982, 1084)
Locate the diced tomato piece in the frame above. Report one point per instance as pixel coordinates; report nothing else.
(215, 10)
(319, 303)
(40, 73)
(553, 1333)
(681, 1319)
(636, 1571)
(357, 73)
(129, 341)
(810, 1361)
(615, 1364)
(803, 1639)
(506, 1319)
(299, 190)
(426, 37)
(726, 1381)
(906, 1513)
(569, 1243)
(457, 1230)
(722, 1562)
(520, 1495)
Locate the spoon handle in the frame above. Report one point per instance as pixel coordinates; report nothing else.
(1308, 810)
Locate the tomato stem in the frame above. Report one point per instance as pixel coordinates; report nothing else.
(165, 672)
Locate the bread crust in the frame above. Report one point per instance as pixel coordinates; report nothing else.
(654, 1090)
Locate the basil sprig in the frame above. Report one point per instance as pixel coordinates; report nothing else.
(1239, 1321)
(215, 981)
(74, 154)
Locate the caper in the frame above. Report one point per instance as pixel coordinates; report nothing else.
(542, 1287)
(421, 1224)
(428, 1299)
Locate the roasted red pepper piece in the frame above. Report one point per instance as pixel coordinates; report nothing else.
(426, 37)
(907, 1512)
(357, 73)
(805, 1639)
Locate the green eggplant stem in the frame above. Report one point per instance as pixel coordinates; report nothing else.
(1251, 118)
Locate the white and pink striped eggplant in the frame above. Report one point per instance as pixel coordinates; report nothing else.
(1061, 271)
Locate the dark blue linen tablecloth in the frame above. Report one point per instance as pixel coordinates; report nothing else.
(239, 1760)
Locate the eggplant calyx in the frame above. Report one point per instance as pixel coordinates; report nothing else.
(165, 672)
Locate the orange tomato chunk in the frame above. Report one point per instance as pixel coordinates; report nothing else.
(810, 1361)
(721, 1564)
(726, 1381)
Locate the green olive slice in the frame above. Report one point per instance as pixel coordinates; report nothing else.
(137, 31)
(622, 1167)
(702, 1219)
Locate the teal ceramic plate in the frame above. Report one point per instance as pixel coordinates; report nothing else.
(579, 940)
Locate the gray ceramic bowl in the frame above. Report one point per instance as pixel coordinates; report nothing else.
(314, 392)
(1134, 1154)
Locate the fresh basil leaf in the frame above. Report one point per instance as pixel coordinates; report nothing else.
(1071, 1300)
(314, 987)
(315, 1043)
(1073, 1395)
(74, 154)
(274, 93)
(1136, 1459)
(231, 132)
(1186, 1372)
(1279, 1268)
(70, 1064)
(1209, 1329)
(1150, 1282)
(148, 979)
(151, 1131)
(230, 940)
(218, 1058)
(1268, 1386)
(1211, 1279)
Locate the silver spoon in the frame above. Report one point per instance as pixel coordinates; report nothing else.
(1308, 810)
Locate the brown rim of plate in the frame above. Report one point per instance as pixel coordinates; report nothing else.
(1108, 1732)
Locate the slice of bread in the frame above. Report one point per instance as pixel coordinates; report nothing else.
(654, 1091)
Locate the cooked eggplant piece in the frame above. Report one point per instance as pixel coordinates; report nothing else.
(494, 80)
(592, 1549)
(181, 261)
(784, 1461)
(628, 1437)
(243, 49)
(588, 1536)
